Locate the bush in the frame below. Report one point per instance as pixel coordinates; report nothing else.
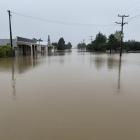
(132, 46)
(81, 46)
(6, 51)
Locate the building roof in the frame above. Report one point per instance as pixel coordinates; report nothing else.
(21, 39)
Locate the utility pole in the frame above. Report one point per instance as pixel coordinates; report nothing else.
(49, 40)
(122, 23)
(91, 38)
(11, 41)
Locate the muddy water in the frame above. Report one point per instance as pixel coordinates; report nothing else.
(70, 96)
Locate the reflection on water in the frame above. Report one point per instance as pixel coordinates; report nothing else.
(24, 64)
(119, 75)
(13, 79)
(19, 64)
(70, 96)
(59, 53)
(99, 62)
(112, 61)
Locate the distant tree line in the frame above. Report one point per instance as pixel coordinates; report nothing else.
(132, 45)
(61, 45)
(111, 44)
(81, 46)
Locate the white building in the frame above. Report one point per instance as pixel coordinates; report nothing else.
(25, 46)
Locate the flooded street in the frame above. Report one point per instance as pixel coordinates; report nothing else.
(70, 96)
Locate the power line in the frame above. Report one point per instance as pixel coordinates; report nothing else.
(133, 6)
(62, 22)
(134, 17)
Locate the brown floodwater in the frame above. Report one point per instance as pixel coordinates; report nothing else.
(70, 96)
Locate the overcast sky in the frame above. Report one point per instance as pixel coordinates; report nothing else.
(100, 12)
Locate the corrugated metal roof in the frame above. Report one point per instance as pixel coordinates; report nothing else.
(21, 39)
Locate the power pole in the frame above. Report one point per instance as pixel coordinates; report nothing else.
(122, 23)
(11, 41)
(49, 40)
(91, 38)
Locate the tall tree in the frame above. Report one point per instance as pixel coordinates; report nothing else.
(100, 38)
(61, 44)
(99, 42)
(113, 43)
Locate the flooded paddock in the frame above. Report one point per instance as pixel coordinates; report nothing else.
(70, 96)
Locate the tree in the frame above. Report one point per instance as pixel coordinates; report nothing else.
(100, 42)
(61, 44)
(113, 43)
(100, 38)
(118, 35)
(81, 46)
(69, 45)
(132, 45)
(91, 46)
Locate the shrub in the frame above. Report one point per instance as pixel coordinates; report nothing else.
(6, 51)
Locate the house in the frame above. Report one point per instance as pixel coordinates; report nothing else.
(25, 46)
